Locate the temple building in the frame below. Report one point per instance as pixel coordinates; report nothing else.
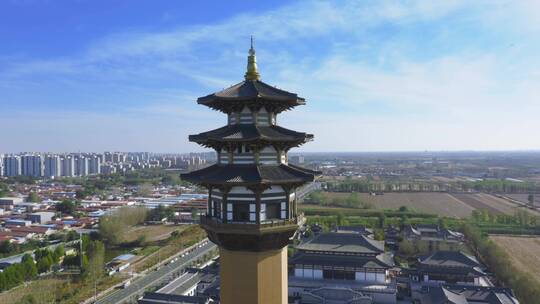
(252, 212)
(449, 267)
(466, 294)
(341, 261)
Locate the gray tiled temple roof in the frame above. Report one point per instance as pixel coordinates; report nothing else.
(383, 260)
(449, 259)
(343, 242)
(467, 294)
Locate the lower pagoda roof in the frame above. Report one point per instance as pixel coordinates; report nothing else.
(250, 133)
(236, 174)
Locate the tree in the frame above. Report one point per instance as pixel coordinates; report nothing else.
(58, 253)
(33, 197)
(159, 213)
(6, 247)
(406, 248)
(30, 268)
(382, 220)
(194, 214)
(442, 223)
(96, 257)
(379, 234)
(66, 207)
(111, 229)
(145, 190)
(403, 209)
(340, 219)
(44, 264)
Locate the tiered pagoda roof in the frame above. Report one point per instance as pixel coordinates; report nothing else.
(250, 133)
(251, 92)
(235, 174)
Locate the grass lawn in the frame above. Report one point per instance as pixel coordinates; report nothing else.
(151, 233)
(191, 235)
(523, 252)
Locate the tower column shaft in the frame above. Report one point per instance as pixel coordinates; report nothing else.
(253, 277)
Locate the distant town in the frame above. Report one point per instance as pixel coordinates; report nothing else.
(410, 227)
(51, 165)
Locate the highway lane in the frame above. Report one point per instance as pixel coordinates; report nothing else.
(153, 278)
(178, 282)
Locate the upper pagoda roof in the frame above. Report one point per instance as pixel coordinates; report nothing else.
(239, 174)
(251, 93)
(250, 133)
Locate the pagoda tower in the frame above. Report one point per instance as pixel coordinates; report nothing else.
(252, 212)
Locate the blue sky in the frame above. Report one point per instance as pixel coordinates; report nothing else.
(377, 75)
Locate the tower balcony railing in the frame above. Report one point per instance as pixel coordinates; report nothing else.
(270, 224)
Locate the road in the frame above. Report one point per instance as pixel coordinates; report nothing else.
(178, 282)
(153, 278)
(307, 189)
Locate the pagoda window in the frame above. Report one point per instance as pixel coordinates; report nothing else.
(243, 155)
(252, 213)
(246, 117)
(283, 210)
(232, 118)
(229, 212)
(223, 156)
(217, 208)
(272, 211)
(241, 212)
(263, 212)
(263, 117)
(268, 156)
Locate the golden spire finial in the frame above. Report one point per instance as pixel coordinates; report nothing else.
(252, 73)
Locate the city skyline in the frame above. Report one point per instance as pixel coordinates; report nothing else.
(422, 76)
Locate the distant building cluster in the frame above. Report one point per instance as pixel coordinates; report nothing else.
(51, 165)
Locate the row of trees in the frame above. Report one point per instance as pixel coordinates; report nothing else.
(353, 200)
(16, 274)
(525, 286)
(29, 268)
(159, 213)
(521, 217)
(113, 227)
(490, 185)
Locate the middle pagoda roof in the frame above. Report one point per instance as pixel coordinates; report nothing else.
(251, 93)
(250, 133)
(237, 174)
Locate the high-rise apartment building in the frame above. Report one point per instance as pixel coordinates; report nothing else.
(68, 166)
(32, 165)
(53, 166)
(94, 165)
(12, 165)
(81, 166)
